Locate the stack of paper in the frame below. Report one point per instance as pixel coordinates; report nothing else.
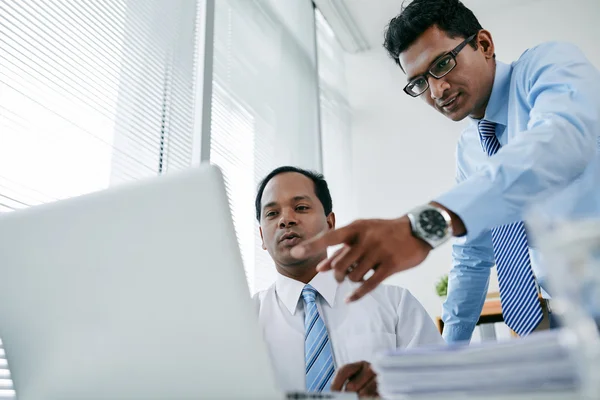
(540, 362)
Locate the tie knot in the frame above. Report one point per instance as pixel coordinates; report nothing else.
(309, 294)
(486, 128)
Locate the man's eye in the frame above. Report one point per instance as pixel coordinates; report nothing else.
(302, 208)
(271, 214)
(443, 63)
(418, 83)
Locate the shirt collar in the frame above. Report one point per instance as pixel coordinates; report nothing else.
(497, 107)
(289, 290)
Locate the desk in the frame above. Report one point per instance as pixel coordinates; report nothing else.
(492, 313)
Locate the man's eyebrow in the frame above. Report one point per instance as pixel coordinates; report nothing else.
(271, 204)
(298, 198)
(443, 53)
(295, 198)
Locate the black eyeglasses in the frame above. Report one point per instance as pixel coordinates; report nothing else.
(438, 69)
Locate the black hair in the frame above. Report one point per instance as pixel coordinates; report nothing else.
(451, 16)
(321, 188)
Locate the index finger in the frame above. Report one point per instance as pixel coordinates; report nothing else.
(322, 241)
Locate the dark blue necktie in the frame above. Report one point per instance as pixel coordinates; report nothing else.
(317, 348)
(521, 307)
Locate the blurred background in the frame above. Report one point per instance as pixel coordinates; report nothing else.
(94, 94)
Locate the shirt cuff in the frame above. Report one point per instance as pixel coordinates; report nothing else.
(477, 204)
(457, 333)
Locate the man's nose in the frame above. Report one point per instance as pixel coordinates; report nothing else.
(288, 218)
(437, 87)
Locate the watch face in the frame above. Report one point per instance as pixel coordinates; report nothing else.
(433, 223)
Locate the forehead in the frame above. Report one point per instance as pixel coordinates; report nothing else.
(425, 50)
(286, 186)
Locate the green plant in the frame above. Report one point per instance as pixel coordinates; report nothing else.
(441, 287)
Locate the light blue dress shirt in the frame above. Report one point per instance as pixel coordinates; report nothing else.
(547, 109)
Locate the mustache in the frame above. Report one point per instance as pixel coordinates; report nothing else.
(442, 102)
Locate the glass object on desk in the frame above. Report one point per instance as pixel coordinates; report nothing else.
(565, 228)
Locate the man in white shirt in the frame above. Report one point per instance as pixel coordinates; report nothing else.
(317, 341)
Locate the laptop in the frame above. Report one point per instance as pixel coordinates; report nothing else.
(135, 292)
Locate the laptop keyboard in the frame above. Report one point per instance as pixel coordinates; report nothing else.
(326, 395)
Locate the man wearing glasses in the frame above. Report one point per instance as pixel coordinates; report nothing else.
(534, 130)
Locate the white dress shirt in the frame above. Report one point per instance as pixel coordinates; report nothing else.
(387, 318)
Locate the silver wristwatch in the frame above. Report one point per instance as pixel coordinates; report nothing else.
(431, 224)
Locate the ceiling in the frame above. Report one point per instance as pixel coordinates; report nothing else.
(372, 16)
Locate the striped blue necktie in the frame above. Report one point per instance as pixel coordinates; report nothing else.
(317, 349)
(521, 307)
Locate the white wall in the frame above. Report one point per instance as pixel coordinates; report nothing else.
(403, 151)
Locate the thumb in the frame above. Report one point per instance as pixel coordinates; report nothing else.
(343, 374)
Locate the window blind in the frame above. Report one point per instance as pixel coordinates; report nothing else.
(92, 94)
(6, 387)
(264, 107)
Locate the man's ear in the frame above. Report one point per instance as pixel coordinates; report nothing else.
(331, 220)
(484, 39)
(262, 239)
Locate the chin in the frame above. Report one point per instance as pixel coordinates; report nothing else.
(290, 261)
(456, 116)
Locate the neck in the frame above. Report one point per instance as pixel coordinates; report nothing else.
(303, 272)
(479, 111)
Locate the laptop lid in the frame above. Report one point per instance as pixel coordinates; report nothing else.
(135, 292)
